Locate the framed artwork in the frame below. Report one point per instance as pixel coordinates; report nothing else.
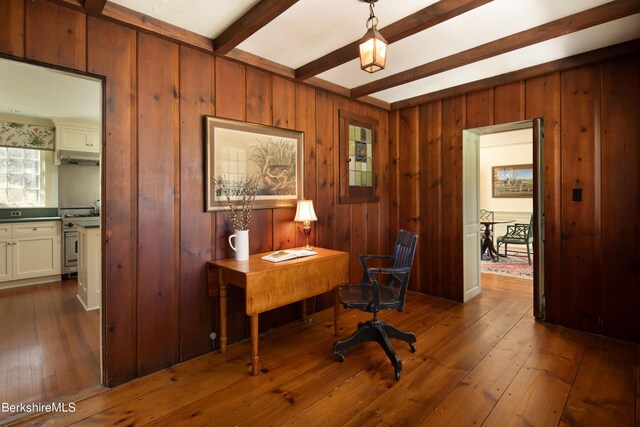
(358, 158)
(237, 151)
(512, 181)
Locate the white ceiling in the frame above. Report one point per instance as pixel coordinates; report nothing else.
(312, 28)
(33, 91)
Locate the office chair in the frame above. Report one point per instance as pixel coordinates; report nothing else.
(372, 295)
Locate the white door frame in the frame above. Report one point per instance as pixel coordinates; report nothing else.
(471, 207)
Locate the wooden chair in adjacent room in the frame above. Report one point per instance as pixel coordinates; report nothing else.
(517, 234)
(486, 215)
(381, 288)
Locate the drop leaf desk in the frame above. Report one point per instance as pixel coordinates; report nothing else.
(270, 285)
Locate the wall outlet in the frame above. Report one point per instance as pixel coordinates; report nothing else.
(16, 213)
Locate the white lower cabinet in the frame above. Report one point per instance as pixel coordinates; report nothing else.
(36, 256)
(6, 259)
(29, 250)
(89, 271)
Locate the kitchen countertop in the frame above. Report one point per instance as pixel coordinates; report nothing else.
(88, 224)
(41, 218)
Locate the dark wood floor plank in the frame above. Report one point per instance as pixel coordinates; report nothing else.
(346, 401)
(602, 394)
(507, 286)
(538, 393)
(282, 365)
(441, 370)
(285, 400)
(474, 397)
(49, 345)
(470, 360)
(156, 403)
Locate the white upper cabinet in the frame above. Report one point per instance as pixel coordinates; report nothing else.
(75, 138)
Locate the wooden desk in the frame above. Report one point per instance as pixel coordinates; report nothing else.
(271, 285)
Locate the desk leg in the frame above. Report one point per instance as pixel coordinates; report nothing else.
(336, 312)
(254, 345)
(223, 314)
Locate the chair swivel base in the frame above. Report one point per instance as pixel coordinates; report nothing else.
(376, 330)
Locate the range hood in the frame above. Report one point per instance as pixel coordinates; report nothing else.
(68, 157)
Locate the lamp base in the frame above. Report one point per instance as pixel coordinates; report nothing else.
(307, 232)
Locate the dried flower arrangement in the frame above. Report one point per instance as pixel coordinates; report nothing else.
(240, 194)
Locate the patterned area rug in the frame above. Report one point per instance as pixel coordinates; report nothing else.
(517, 266)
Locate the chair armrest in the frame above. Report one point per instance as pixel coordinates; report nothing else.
(363, 262)
(388, 270)
(374, 282)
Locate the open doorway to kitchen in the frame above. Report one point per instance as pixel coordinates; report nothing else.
(50, 239)
(503, 210)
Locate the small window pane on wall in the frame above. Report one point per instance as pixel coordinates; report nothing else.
(21, 177)
(358, 158)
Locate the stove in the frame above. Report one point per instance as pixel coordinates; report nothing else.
(72, 216)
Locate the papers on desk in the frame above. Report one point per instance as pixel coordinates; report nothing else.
(288, 254)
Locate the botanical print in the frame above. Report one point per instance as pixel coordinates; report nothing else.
(276, 162)
(26, 136)
(240, 151)
(243, 155)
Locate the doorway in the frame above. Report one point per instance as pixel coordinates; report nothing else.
(51, 337)
(517, 205)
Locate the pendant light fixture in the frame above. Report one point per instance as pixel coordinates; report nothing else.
(373, 47)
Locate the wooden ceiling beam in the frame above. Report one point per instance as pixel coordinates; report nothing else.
(147, 24)
(431, 15)
(249, 23)
(598, 15)
(274, 68)
(94, 6)
(595, 56)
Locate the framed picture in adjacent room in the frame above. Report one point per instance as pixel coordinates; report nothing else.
(512, 181)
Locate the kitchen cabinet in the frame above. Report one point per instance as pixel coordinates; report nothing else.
(77, 138)
(29, 250)
(89, 266)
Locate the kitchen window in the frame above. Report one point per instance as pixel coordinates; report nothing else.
(21, 177)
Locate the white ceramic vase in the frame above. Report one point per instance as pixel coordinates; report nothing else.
(241, 247)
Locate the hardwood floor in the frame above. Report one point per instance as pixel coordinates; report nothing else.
(49, 345)
(486, 362)
(507, 286)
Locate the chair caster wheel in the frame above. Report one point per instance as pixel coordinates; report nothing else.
(397, 375)
(412, 346)
(340, 357)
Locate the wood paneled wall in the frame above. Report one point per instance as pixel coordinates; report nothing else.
(157, 235)
(591, 141)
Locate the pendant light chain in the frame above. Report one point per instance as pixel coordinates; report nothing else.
(372, 16)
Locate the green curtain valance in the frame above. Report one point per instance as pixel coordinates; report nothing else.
(22, 135)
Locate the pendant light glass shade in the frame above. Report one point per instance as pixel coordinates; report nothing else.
(373, 51)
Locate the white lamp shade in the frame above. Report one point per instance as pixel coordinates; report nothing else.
(305, 211)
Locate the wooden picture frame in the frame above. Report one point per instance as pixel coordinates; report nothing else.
(512, 181)
(358, 158)
(237, 150)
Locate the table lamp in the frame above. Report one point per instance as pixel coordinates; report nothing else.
(306, 214)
